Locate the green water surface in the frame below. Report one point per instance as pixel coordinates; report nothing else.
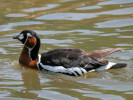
(84, 24)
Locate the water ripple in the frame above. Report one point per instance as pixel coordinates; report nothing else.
(81, 16)
(81, 31)
(67, 16)
(56, 42)
(115, 2)
(124, 45)
(115, 23)
(49, 6)
(4, 94)
(16, 15)
(125, 37)
(88, 7)
(105, 96)
(53, 95)
(122, 11)
(112, 84)
(9, 26)
(3, 51)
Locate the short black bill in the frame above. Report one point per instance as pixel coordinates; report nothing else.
(15, 37)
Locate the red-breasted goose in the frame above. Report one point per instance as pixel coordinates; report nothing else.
(74, 62)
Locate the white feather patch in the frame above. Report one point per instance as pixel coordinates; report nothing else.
(39, 59)
(54, 68)
(83, 70)
(110, 64)
(29, 35)
(60, 69)
(21, 36)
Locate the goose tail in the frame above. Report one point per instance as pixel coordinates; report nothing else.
(111, 65)
(119, 65)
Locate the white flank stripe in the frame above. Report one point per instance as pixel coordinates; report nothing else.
(78, 70)
(92, 70)
(83, 70)
(110, 64)
(54, 68)
(71, 71)
(61, 69)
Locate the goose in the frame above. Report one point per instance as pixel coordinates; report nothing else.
(69, 61)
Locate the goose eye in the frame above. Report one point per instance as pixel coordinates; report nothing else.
(29, 35)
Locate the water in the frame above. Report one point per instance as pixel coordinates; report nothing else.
(84, 24)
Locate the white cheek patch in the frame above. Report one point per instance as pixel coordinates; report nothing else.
(29, 35)
(21, 36)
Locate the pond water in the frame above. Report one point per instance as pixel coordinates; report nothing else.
(84, 24)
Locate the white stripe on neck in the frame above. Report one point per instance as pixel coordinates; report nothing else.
(30, 53)
(29, 48)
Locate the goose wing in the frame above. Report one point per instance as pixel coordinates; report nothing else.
(70, 58)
